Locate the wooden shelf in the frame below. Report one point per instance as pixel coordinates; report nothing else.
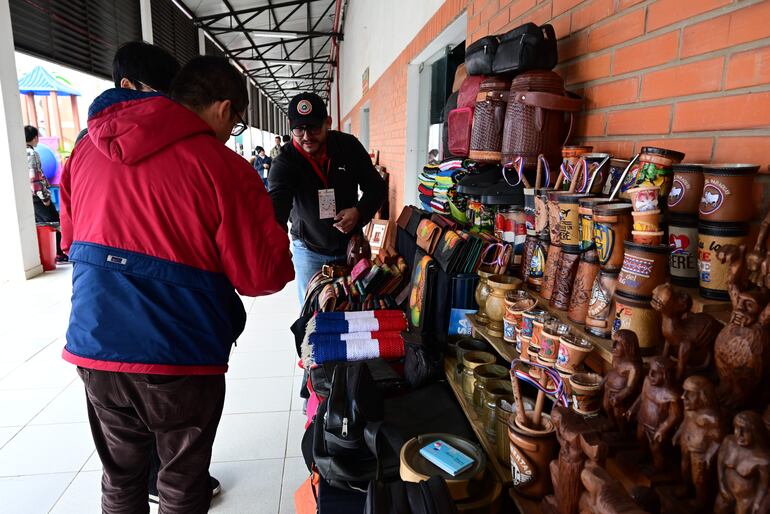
(503, 472)
(506, 350)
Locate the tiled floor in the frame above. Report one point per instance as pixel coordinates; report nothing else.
(47, 457)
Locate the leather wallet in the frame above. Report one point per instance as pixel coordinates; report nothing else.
(428, 236)
(449, 251)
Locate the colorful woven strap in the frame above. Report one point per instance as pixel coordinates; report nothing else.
(557, 391)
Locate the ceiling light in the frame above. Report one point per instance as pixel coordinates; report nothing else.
(268, 33)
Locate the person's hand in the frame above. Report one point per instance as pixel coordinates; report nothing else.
(347, 219)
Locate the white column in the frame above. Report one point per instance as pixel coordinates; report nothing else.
(20, 258)
(201, 42)
(145, 13)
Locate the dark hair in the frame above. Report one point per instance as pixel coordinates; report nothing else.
(207, 79)
(142, 62)
(286, 138)
(260, 149)
(30, 133)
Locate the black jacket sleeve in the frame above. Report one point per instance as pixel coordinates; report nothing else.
(369, 180)
(281, 182)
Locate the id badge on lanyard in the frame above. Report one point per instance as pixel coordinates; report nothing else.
(327, 205)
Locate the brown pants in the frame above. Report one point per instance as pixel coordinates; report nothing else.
(181, 413)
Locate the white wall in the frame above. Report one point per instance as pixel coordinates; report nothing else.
(376, 32)
(19, 257)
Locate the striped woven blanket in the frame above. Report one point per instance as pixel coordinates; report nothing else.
(353, 336)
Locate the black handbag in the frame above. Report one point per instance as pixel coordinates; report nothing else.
(385, 377)
(354, 402)
(527, 47)
(427, 497)
(480, 55)
(421, 365)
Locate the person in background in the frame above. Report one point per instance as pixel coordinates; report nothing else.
(315, 183)
(155, 307)
(276, 151)
(285, 139)
(45, 210)
(262, 164)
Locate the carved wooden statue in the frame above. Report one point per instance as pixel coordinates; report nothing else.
(604, 495)
(758, 259)
(658, 409)
(744, 468)
(578, 442)
(742, 349)
(624, 380)
(689, 336)
(699, 436)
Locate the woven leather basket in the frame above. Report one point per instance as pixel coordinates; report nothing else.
(489, 119)
(534, 118)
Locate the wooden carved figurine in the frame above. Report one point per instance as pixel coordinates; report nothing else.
(744, 468)
(699, 436)
(578, 442)
(742, 349)
(689, 336)
(624, 380)
(604, 494)
(758, 259)
(658, 409)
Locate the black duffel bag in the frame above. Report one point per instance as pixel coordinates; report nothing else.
(527, 47)
(479, 56)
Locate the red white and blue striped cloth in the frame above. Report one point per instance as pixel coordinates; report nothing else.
(353, 336)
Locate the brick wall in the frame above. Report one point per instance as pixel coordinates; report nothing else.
(690, 75)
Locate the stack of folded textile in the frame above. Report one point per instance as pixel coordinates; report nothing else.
(427, 181)
(446, 181)
(353, 336)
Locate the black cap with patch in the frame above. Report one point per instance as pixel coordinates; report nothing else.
(307, 109)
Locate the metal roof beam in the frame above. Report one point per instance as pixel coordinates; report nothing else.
(211, 18)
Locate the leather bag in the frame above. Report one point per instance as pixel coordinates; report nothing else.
(489, 120)
(527, 47)
(534, 118)
(354, 401)
(480, 55)
(358, 248)
(428, 236)
(426, 497)
(460, 120)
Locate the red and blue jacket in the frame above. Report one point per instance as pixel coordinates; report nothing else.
(163, 223)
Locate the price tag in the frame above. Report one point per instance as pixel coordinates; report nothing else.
(327, 206)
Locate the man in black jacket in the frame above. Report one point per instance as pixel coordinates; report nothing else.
(314, 183)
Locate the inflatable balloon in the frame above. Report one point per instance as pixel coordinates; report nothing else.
(49, 160)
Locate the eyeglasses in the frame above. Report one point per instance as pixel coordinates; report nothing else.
(239, 127)
(312, 130)
(144, 87)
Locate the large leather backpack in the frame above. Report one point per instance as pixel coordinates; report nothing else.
(489, 119)
(460, 119)
(534, 118)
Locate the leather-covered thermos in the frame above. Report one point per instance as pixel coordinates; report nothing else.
(488, 120)
(587, 271)
(565, 277)
(551, 267)
(534, 118)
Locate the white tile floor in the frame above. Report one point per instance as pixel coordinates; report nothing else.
(47, 457)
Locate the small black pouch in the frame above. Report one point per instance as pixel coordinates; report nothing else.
(480, 55)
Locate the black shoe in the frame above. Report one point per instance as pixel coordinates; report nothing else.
(62, 259)
(216, 488)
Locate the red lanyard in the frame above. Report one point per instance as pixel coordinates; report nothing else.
(316, 167)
